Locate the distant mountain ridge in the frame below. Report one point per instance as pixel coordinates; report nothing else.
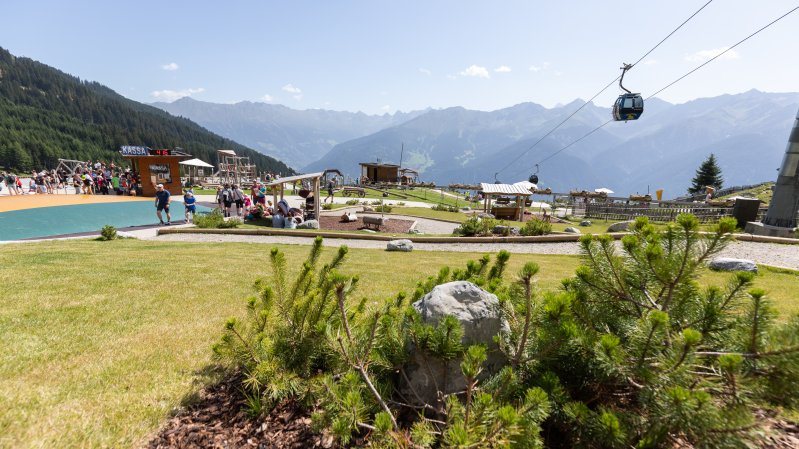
(747, 132)
(46, 114)
(297, 137)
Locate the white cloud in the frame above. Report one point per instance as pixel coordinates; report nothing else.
(172, 95)
(267, 98)
(425, 71)
(475, 71)
(502, 69)
(650, 62)
(291, 89)
(298, 97)
(539, 68)
(171, 67)
(705, 55)
(452, 77)
(385, 108)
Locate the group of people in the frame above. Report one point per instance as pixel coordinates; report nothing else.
(255, 205)
(231, 194)
(98, 178)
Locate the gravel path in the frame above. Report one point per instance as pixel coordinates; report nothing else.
(786, 256)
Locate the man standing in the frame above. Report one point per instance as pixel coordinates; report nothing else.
(329, 191)
(162, 199)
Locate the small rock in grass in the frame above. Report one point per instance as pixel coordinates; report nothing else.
(620, 226)
(730, 264)
(585, 223)
(572, 230)
(400, 245)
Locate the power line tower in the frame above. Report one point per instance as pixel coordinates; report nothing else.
(781, 218)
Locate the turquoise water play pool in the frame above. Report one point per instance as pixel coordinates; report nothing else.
(74, 219)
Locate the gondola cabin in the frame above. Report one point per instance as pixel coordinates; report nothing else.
(628, 107)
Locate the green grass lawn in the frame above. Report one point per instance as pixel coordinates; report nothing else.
(103, 340)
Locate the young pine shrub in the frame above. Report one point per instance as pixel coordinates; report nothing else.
(279, 346)
(536, 227)
(500, 412)
(634, 353)
(475, 226)
(215, 219)
(108, 232)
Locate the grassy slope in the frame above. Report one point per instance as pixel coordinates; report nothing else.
(104, 339)
(763, 193)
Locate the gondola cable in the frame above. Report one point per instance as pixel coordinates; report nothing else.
(672, 83)
(602, 90)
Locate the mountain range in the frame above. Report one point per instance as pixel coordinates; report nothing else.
(296, 137)
(662, 150)
(747, 132)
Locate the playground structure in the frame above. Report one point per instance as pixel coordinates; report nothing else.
(69, 165)
(235, 169)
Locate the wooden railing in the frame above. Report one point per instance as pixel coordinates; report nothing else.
(659, 212)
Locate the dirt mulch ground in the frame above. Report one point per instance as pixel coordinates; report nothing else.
(392, 226)
(218, 420)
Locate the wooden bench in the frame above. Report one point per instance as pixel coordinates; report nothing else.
(347, 191)
(369, 221)
(506, 212)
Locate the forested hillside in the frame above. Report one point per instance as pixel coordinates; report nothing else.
(46, 114)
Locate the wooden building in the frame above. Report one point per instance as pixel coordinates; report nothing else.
(155, 167)
(376, 172)
(514, 196)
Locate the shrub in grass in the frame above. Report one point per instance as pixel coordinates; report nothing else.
(536, 227)
(352, 202)
(631, 352)
(401, 204)
(108, 233)
(327, 206)
(475, 226)
(444, 208)
(383, 208)
(215, 219)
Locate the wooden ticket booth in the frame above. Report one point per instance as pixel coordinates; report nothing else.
(376, 172)
(156, 167)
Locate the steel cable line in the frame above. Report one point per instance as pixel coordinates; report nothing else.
(725, 51)
(674, 82)
(601, 90)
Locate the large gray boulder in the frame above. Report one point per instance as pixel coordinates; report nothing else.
(730, 264)
(572, 230)
(585, 223)
(621, 226)
(308, 224)
(479, 314)
(400, 245)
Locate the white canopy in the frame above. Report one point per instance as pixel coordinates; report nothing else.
(196, 163)
(504, 189)
(526, 185)
(603, 190)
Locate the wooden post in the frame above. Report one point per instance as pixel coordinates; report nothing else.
(316, 205)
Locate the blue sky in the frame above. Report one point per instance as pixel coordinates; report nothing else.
(381, 56)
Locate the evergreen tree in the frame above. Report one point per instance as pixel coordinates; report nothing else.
(708, 174)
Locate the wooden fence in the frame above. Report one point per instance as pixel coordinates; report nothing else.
(659, 212)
